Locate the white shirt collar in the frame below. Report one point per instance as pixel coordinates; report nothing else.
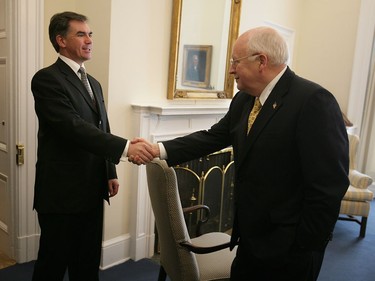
(268, 89)
(72, 64)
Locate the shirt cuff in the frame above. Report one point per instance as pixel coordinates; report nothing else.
(163, 152)
(125, 152)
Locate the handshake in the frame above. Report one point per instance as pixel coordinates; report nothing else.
(141, 151)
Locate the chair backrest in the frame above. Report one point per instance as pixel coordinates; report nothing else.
(178, 262)
(353, 147)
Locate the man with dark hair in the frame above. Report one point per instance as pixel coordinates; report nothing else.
(77, 154)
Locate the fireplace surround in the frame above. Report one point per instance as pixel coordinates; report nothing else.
(159, 123)
(209, 181)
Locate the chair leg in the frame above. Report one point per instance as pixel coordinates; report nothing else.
(162, 274)
(362, 232)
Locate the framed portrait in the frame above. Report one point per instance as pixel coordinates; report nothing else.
(196, 66)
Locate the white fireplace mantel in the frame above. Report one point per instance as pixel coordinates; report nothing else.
(158, 123)
(181, 110)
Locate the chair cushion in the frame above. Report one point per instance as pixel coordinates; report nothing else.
(355, 208)
(359, 180)
(217, 265)
(358, 194)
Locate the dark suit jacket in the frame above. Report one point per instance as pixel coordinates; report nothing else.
(76, 152)
(195, 74)
(291, 170)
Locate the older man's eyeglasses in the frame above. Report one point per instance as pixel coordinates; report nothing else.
(234, 62)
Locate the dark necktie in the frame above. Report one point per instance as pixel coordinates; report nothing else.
(85, 82)
(253, 114)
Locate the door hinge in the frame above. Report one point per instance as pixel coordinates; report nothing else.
(20, 156)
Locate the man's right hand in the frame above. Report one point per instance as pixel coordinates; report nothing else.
(141, 152)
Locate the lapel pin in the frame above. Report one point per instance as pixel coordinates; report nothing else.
(274, 105)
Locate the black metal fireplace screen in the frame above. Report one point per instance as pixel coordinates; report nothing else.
(210, 181)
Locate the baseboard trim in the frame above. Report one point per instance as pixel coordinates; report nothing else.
(27, 248)
(115, 251)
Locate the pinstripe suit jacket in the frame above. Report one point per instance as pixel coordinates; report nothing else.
(76, 152)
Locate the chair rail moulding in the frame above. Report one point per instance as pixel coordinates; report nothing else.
(160, 123)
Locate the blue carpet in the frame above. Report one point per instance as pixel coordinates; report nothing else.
(143, 270)
(348, 258)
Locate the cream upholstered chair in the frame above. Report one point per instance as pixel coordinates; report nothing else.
(206, 257)
(356, 201)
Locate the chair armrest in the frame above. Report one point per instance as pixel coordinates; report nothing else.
(359, 180)
(204, 250)
(196, 208)
(204, 218)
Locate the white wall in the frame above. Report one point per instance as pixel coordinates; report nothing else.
(131, 55)
(325, 36)
(138, 73)
(326, 43)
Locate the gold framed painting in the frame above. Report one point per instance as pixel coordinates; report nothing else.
(196, 67)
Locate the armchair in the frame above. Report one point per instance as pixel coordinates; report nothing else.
(356, 201)
(206, 257)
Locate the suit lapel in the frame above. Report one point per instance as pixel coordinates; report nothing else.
(73, 79)
(269, 109)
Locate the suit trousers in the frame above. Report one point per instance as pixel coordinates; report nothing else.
(300, 265)
(70, 242)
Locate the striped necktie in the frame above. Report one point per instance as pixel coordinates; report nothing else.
(253, 114)
(85, 82)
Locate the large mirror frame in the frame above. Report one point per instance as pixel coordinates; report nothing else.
(173, 91)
